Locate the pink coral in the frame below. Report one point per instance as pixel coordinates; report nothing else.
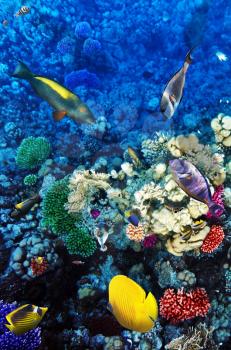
(217, 198)
(179, 306)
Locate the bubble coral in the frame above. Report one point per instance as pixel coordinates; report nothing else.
(79, 241)
(30, 180)
(135, 233)
(32, 152)
(180, 306)
(38, 265)
(83, 30)
(30, 340)
(91, 47)
(213, 239)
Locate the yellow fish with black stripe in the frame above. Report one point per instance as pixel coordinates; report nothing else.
(60, 98)
(130, 306)
(25, 318)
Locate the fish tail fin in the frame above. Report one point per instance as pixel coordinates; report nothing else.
(216, 209)
(22, 71)
(151, 306)
(188, 57)
(10, 327)
(44, 310)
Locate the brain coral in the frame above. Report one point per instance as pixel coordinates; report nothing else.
(32, 152)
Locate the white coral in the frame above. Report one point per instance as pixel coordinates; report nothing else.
(83, 186)
(221, 126)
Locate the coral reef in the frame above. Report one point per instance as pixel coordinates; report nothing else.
(221, 126)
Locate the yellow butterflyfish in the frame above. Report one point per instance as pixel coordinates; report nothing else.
(25, 318)
(130, 305)
(64, 101)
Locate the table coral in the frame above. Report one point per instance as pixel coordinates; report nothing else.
(213, 239)
(180, 306)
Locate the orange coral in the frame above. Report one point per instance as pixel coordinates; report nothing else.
(135, 233)
(213, 239)
(38, 265)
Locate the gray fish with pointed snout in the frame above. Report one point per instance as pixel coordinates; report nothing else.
(173, 91)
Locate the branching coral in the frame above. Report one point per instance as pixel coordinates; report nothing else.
(79, 241)
(83, 185)
(54, 214)
(180, 306)
(213, 239)
(156, 150)
(197, 338)
(32, 152)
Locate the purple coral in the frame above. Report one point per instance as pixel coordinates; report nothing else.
(83, 30)
(65, 45)
(82, 77)
(9, 341)
(150, 241)
(91, 47)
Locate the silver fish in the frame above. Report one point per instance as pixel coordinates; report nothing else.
(192, 182)
(173, 91)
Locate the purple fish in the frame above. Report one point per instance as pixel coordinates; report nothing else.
(192, 182)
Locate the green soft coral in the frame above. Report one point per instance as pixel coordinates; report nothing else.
(79, 241)
(32, 152)
(54, 214)
(30, 180)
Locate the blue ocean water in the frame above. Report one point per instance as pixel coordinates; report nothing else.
(98, 98)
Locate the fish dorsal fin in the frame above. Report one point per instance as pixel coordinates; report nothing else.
(151, 306)
(58, 115)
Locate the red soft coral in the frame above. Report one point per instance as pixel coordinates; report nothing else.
(213, 239)
(217, 198)
(181, 306)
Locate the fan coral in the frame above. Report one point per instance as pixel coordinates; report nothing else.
(217, 198)
(197, 338)
(135, 233)
(180, 306)
(82, 77)
(91, 47)
(79, 241)
(54, 214)
(150, 241)
(30, 340)
(83, 30)
(222, 129)
(30, 180)
(38, 265)
(213, 239)
(83, 186)
(32, 152)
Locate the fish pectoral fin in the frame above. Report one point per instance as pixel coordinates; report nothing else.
(58, 115)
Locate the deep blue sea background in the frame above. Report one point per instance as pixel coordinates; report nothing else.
(135, 47)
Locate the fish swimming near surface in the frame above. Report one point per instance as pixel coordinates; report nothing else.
(21, 209)
(173, 91)
(134, 157)
(60, 98)
(192, 182)
(130, 305)
(25, 318)
(24, 10)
